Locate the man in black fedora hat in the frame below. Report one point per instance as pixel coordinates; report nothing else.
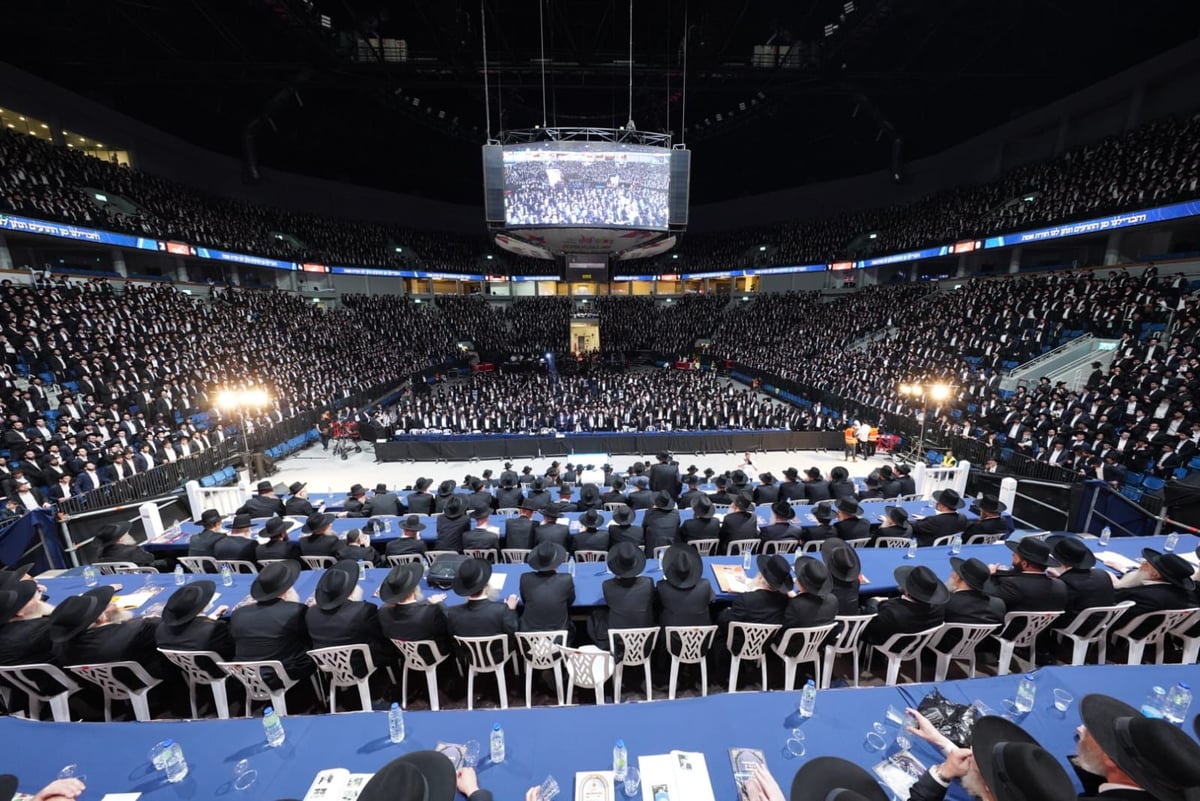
(384, 502)
(812, 602)
(185, 627)
(889, 482)
(702, 525)
(1162, 581)
(763, 602)
(616, 491)
(825, 515)
(1122, 754)
(628, 596)
(452, 524)
(791, 488)
(202, 543)
(405, 615)
(1026, 586)
(357, 546)
(297, 504)
(355, 503)
(480, 616)
(479, 498)
(519, 531)
(591, 536)
(264, 502)
(238, 544)
(117, 545)
(721, 496)
(274, 542)
(816, 488)
(623, 529)
(850, 523)
(970, 601)
(589, 498)
(894, 522)
(780, 528)
(908, 484)
(509, 495)
(664, 475)
(423, 776)
(551, 530)
(990, 522)
(641, 497)
(445, 492)
(947, 521)
(683, 594)
(739, 523)
(24, 622)
(419, 501)
(484, 533)
(410, 541)
(691, 492)
(317, 537)
(767, 491)
(1087, 586)
(661, 522)
(547, 594)
(274, 626)
(538, 496)
(1014, 767)
(921, 605)
(340, 616)
(845, 574)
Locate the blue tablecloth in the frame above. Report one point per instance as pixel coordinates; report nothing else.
(114, 756)
(878, 565)
(341, 525)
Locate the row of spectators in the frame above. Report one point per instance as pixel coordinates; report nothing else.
(1155, 164)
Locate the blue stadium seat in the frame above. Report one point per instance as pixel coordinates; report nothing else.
(1153, 484)
(1132, 493)
(1180, 472)
(1194, 464)
(207, 481)
(1133, 479)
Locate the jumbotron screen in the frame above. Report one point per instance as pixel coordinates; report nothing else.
(585, 184)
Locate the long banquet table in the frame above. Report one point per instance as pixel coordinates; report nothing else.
(114, 756)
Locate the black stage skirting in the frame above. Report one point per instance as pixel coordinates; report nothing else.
(462, 448)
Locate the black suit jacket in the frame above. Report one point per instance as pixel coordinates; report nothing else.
(853, 528)
(697, 529)
(683, 607)
(547, 598)
(385, 503)
(131, 641)
(298, 507)
(939, 525)
(279, 549)
(352, 623)
(973, 606)
(320, 545)
(807, 610)
(901, 615)
(480, 538)
(664, 478)
(481, 618)
(202, 544)
(591, 540)
(737, 526)
(450, 533)
(553, 532)
(1029, 592)
(121, 552)
(992, 525)
(406, 545)
(1152, 598)
(243, 548)
(817, 491)
(1085, 588)
(262, 506)
(25, 642)
(416, 621)
(629, 533)
(629, 605)
(661, 528)
(274, 629)
(419, 503)
(518, 532)
(199, 634)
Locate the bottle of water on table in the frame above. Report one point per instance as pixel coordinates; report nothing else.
(956, 544)
(174, 764)
(1179, 698)
(571, 566)
(180, 578)
(912, 549)
(273, 727)
(1170, 542)
(91, 576)
(496, 744)
(808, 700)
(1105, 535)
(1026, 691)
(396, 723)
(226, 575)
(620, 761)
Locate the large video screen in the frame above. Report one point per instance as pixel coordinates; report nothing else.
(587, 184)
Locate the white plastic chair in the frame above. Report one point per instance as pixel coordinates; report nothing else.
(636, 647)
(984, 539)
(318, 562)
(540, 650)
(404, 559)
(943, 540)
(1031, 625)
(1189, 639)
(113, 568)
(1162, 623)
(337, 661)
(755, 638)
(1096, 621)
(26, 678)
(844, 642)
(257, 689)
(807, 651)
(423, 656)
(488, 554)
(689, 645)
(970, 635)
(589, 556)
(659, 551)
(514, 556)
(587, 668)
(857, 542)
(901, 647)
(245, 566)
(892, 542)
(483, 658)
(195, 676)
(103, 675)
(705, 546)
(198, 564)
(737, 547)
(506, 511)
(780, 546)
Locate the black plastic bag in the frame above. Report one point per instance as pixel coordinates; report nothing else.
(954, 721)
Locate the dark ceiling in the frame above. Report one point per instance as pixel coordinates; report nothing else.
(932, 72)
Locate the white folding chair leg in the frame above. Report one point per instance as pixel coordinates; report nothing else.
(704, 677)
(893, 672)
(1006, 655)
(674, 679)
(431, 683)
(735, 665)
(364, 695)
(1136, 649)
(528, 687)
(649, 689)
(789, 675)
(141, 705)
(500, 680)
(221, 700)
(59, 709)
(763, 662)
(470, 690)
(943, 666)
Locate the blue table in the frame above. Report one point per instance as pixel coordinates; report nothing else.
(114, 756)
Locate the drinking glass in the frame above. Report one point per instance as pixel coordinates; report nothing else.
(549, 790)
(633, 781)
(73, 772)
(794, 745)
(875, 737)
(243, 775)
(1062, 699)
(158, 756)
(470, 753)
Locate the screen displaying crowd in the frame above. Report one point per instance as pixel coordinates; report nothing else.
(624, 189)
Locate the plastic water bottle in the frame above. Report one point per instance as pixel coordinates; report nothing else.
(1156, 699)
(226, 575)
(571, 566)
(273, 727)
(180, 578)
(1178, 701)
(1026, 691)
(91, 576)
(955, 544)
(173, 762)
(1105, 535)
(396, 723)
(620, 761)
(496, 744)
(1171, 541)
(912, 549)
(808, 700)
(747, 560)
